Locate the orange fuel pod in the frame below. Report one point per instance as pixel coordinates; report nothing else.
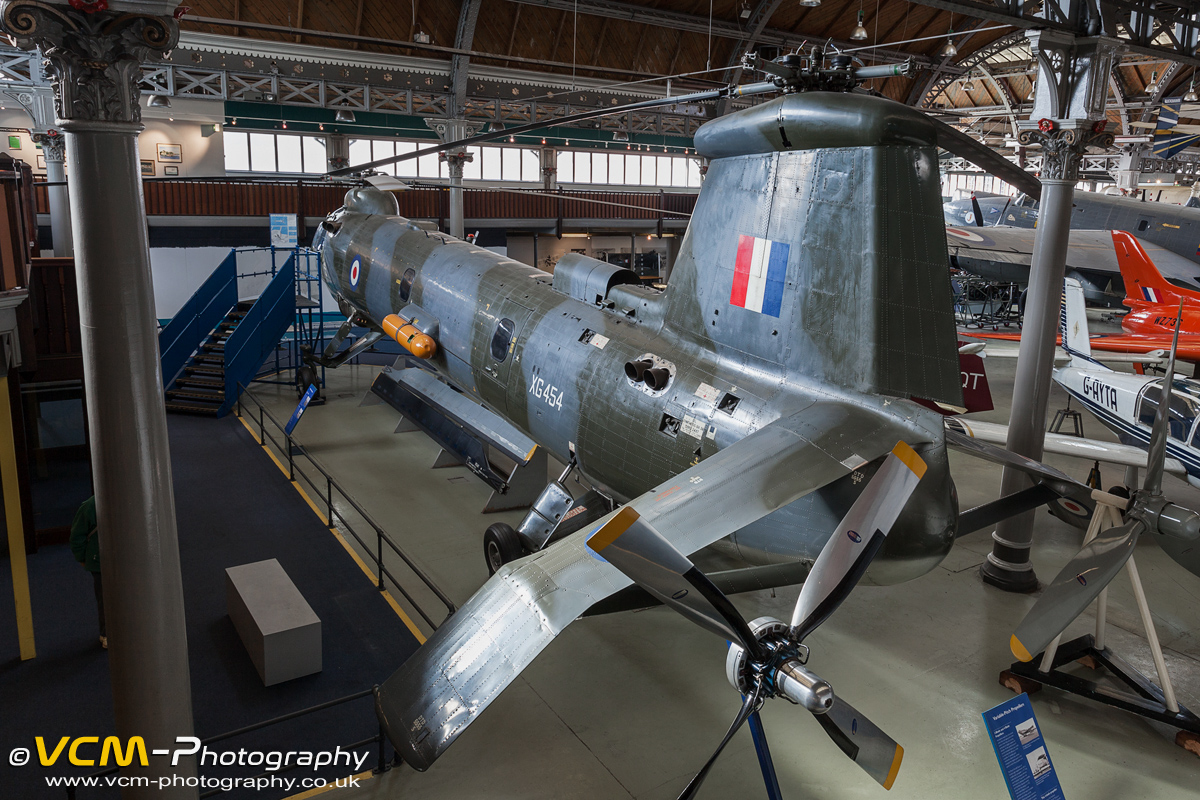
(419, 344)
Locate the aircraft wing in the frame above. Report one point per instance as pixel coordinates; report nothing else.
(486, 644)
(998, 252)
(1010, 348)
(1089, 449)
(1139, 348)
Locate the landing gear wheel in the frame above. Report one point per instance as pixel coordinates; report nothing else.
(500, 546)
(305, 377)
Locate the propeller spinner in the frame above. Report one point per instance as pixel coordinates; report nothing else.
(767, 657)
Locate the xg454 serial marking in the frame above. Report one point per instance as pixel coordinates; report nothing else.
(546, 392)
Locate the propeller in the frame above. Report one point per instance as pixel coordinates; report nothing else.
(1086, 575)
(977, 211)
(766, 657)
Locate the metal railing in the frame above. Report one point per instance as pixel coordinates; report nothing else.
(290, 449)
(383, 764)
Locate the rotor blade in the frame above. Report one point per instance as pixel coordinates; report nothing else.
(763, 87)
(1061, 482)
(1078, 584)
(867, 745)
(987, 159)
(857, 539)
(633, 546)
(749, 703)
(977, 211)
(1157, 460)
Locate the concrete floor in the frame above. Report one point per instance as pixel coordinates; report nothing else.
(630, 705)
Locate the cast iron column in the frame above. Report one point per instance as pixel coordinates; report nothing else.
(451, 130)
(95, 62)
(1072, 89)
(454, 163)
(1008, 564)
(54, 148)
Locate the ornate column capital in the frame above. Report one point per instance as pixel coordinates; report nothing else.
(94, 59)
(1063, 146)
(450, 130)
(54, 144)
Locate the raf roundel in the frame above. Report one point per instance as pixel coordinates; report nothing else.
(355, 271)
(1072, 507)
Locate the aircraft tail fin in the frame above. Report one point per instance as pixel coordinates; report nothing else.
(822, 251)
(1144, 284)
(1073, 323)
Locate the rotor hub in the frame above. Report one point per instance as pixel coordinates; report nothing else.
(782, 673)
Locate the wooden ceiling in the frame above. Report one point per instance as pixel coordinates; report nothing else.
(634, 49)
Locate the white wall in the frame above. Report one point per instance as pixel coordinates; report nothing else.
(178, 272)
(202, 156)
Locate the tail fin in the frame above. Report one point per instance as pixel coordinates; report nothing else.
(819, 243)
(1144, 284)
(1073, 323)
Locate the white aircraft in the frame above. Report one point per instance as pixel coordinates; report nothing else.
(1124, 402)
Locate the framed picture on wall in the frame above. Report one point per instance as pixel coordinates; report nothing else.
(14, 142)
(171, 172)
(170, 153)
(147, 169)
(41, 161)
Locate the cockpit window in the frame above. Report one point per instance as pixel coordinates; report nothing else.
(1184, 411)
(406, 282)
(502, 338)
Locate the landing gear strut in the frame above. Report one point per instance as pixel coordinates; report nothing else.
(554, 514)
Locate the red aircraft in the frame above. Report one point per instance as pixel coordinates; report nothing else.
(1153, 299)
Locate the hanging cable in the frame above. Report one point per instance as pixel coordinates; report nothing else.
(708, 63)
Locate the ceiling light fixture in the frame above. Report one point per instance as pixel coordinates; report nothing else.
(948, 49)
(158, 101)
(860, 32)
(1191, 96)
(343, 115)
(421, 37)
(810, 3)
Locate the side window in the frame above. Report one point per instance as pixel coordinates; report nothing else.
(1143, 224)
(502, 338)
(406, 282)
(1148, 404)
(1183, 414)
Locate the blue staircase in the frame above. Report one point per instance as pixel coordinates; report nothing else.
(217, 342)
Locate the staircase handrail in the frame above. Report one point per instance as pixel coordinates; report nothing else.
(197, 317)
(259, 332)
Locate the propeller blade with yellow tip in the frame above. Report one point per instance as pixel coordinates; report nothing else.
(1077, 585)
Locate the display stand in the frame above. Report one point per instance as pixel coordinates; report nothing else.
(770, 780)
(1143, 697)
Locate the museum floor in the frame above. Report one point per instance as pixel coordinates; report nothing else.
(630, 705)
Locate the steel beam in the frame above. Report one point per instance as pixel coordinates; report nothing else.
(467, 16)
(694, 23)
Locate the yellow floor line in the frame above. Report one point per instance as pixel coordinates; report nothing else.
(391, 601)
(362, 776)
